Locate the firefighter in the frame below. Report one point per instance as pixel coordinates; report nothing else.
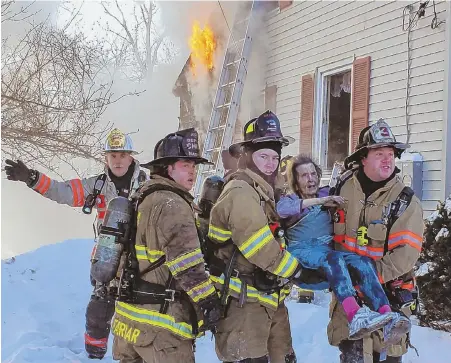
(169, 257)
(121, 177)
(383, 220)
(229, 162)
(253, 263)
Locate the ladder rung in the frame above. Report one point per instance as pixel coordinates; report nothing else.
(227, 84)
(235, 42)
(213, 149)
(232, 63)
(217, 128)
(223, 105)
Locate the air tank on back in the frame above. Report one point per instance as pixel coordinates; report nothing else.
(106, 259)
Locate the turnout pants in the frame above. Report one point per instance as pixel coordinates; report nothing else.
(98, 322)
(159, 351)
(352, 352)
(254, 331)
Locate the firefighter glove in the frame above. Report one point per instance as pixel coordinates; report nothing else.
(212, 311)
(18, 171)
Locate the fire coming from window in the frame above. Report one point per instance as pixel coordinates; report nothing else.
(203, 45)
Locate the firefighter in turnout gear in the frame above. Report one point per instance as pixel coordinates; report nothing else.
(169, 258)
(383, 220)
(252, 267)
(122, 176)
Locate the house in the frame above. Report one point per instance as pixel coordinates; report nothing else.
(334, 67)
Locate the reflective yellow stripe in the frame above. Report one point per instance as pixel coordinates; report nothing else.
(252, 292)
(144, 253)
(256, 242)
(218, 234)
(185, 261)
(287, 266)
(154, 318)
(285, 291)
(201, 291)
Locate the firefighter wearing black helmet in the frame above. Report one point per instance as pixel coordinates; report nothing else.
(168, 253)
(256, 326)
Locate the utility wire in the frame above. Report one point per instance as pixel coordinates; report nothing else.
(409, 63)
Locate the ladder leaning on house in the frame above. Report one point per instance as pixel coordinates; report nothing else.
(228, 94)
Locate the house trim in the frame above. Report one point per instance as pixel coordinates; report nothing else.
(446, 149)
(321, 74)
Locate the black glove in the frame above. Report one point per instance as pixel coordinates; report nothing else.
(309, 276)
(212, 311)
(19, 172)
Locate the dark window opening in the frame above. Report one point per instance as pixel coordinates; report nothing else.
(339, 118)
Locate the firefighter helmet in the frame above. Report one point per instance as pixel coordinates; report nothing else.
(211, 190)
(117, 141)
(375, 136)
(182, 144)
(264, 128)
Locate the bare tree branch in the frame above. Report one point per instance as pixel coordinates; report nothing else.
(15, 15)
(55, 88)
(145, 46)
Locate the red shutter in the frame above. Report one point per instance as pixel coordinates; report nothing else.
(271, 98)
(306, 122)
(360, 97)
(284, 4)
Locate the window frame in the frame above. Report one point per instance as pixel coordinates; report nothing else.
(320, 127)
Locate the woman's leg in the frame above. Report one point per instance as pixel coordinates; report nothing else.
(363, 270)
(361, 320)
(340, 282)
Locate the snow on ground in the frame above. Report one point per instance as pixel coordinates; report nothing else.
(45, 292)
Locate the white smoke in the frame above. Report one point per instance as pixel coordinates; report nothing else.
(203, 85)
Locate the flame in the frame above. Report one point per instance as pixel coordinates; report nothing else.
(203, 45)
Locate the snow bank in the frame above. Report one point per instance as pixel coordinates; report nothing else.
(45, 292)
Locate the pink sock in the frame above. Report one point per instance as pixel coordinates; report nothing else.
(384, 309)
(350, 307)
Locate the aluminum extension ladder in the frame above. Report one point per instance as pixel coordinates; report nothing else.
(224, 114)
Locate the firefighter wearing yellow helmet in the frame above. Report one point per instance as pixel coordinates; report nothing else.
(121, 176)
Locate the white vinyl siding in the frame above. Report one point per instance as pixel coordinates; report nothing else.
(311, 34)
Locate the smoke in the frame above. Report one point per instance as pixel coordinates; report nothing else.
(203, 85)
(154, 113)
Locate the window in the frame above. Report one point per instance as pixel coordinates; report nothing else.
(335, 119)
(334, 109)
